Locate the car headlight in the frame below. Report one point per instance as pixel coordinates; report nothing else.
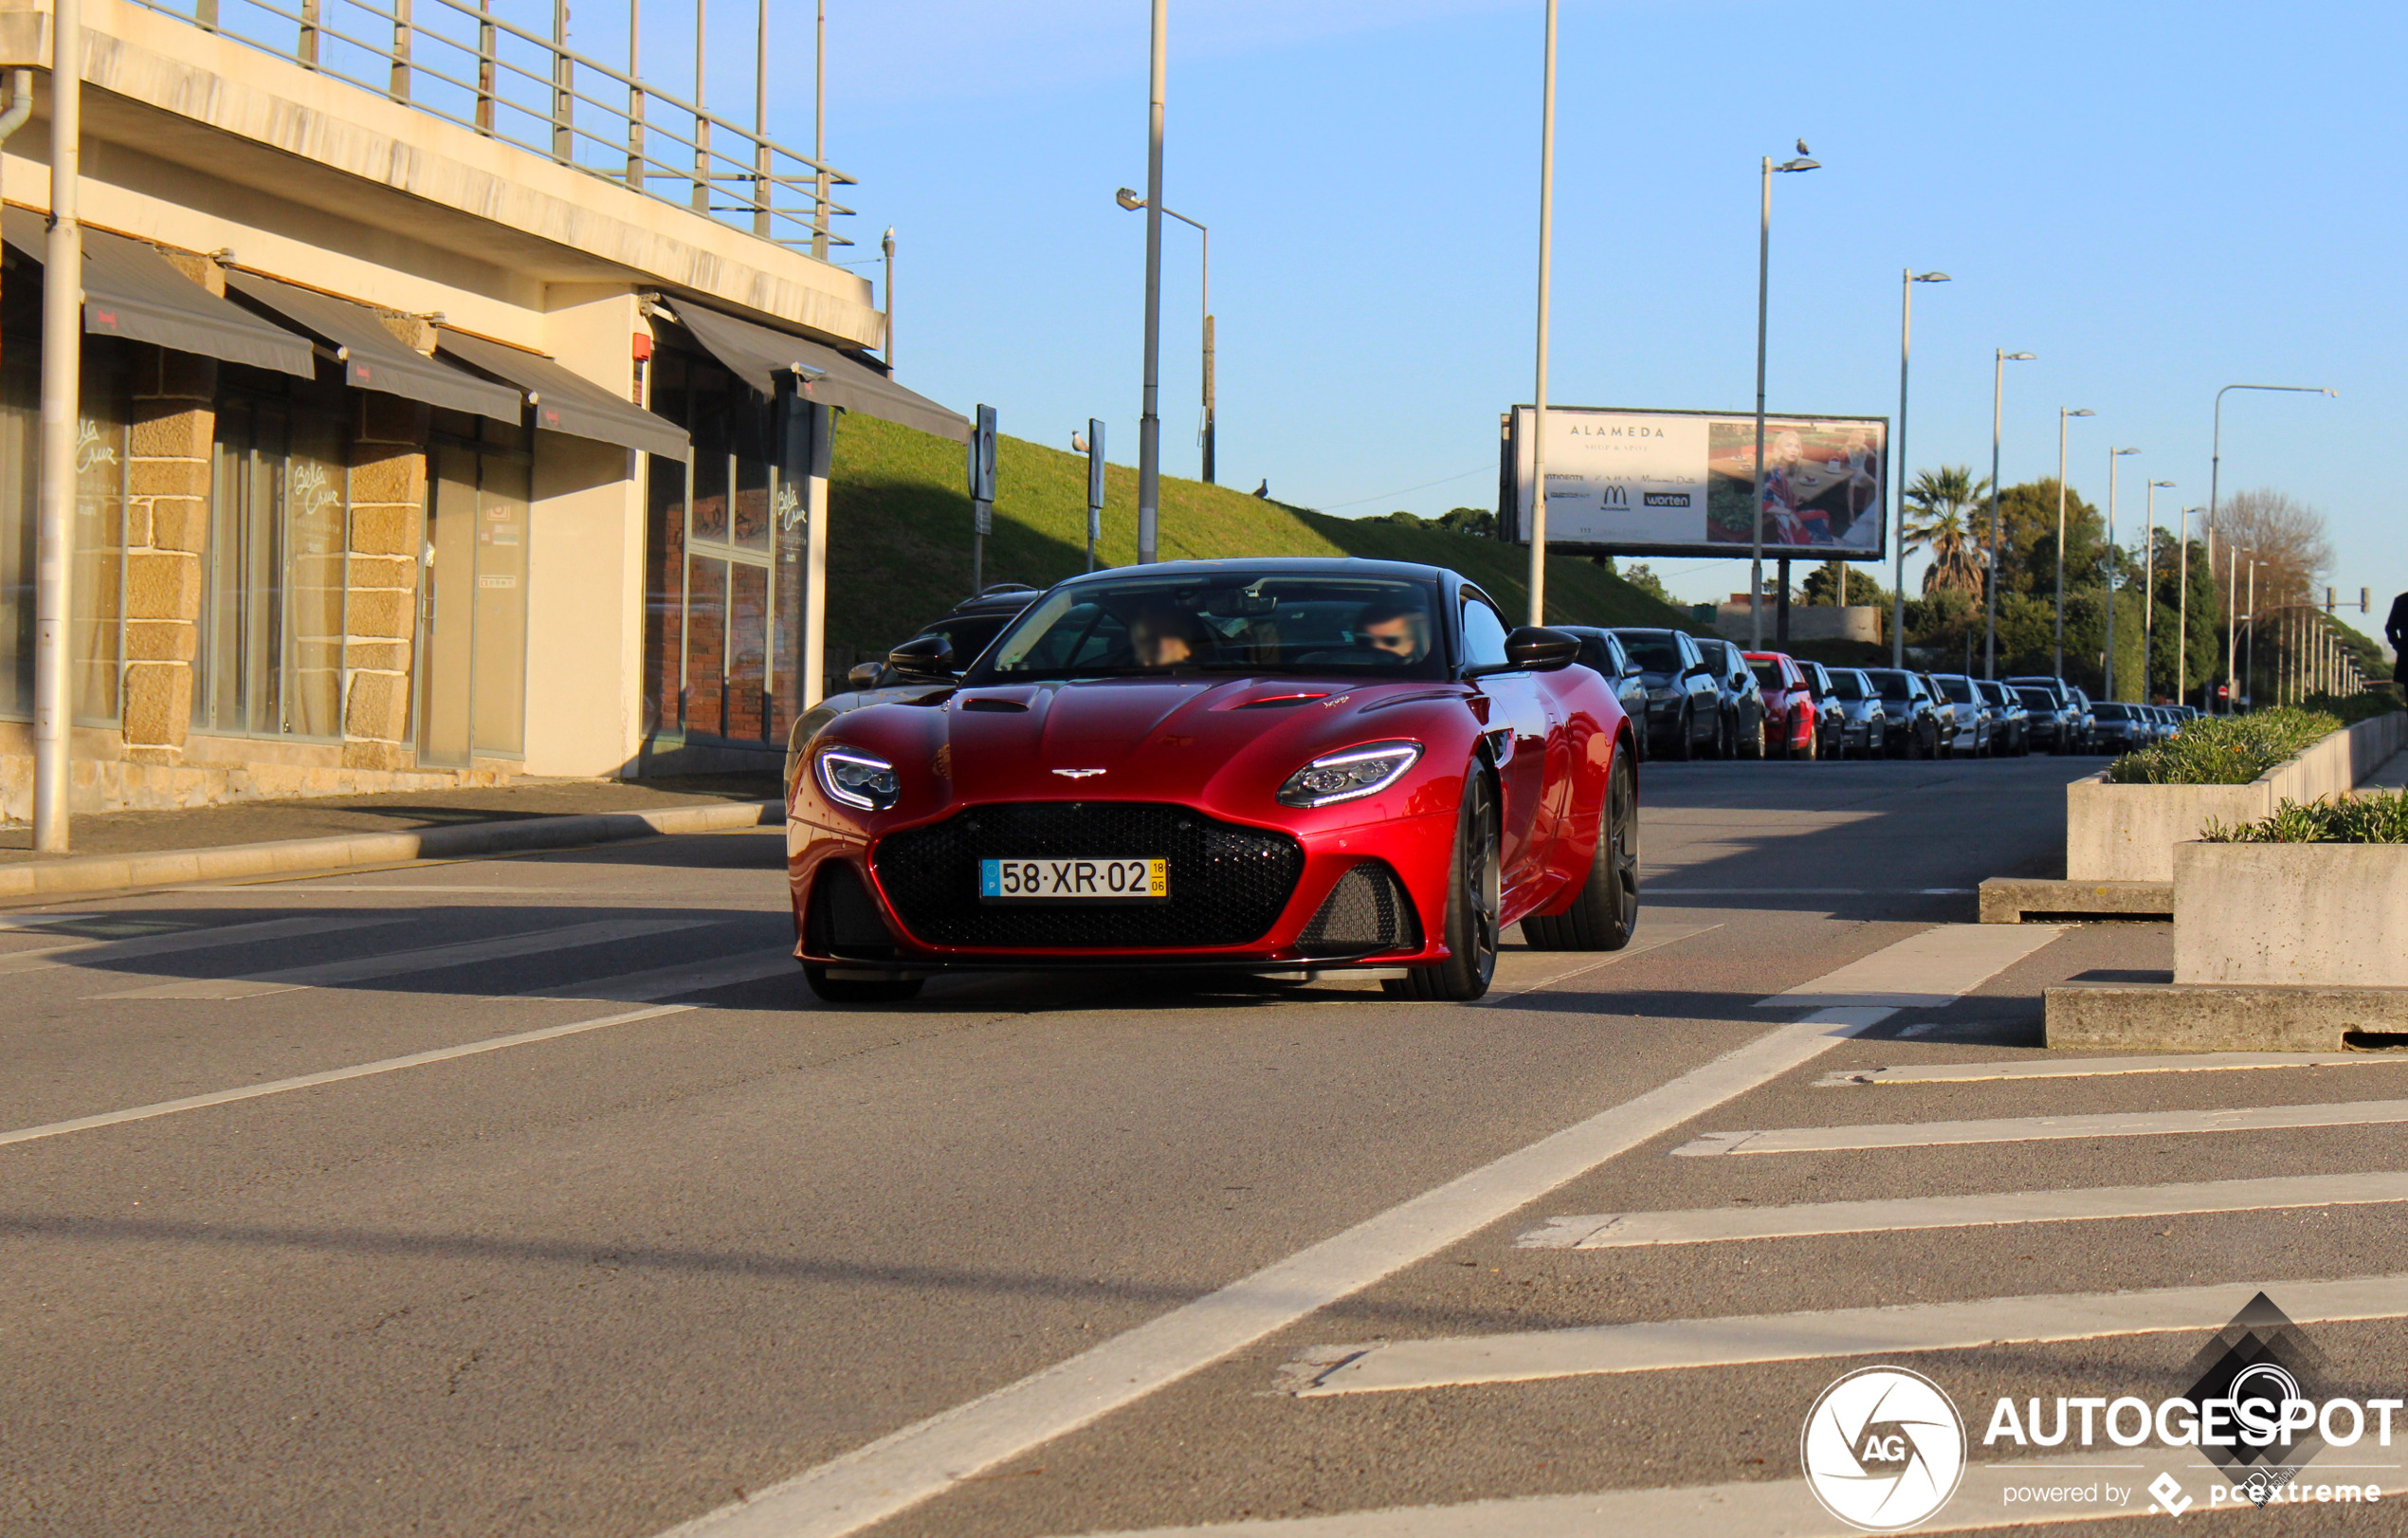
(854, 778)
(1349, 776)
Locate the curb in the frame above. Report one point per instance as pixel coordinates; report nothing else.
(86, 874)
(2198, 1016)
(2016, 899)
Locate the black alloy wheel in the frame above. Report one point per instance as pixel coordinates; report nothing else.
(1606, 912)
(1474, 902)
(1685, 737)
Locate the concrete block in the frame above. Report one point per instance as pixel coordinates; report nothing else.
(377, 708)
(167, 477)
(158, 703)
(2317, 915)
(2187, 1018)
(163, 586)
(385, 612)
(2011, 899)
(179, 524)
(159, 640)
(385, 530)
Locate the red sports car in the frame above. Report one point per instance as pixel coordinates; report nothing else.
(1791, 729)
(1267, 766)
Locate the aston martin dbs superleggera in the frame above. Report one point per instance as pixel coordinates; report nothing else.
(1265, 765)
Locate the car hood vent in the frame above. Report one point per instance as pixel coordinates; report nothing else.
(1273, 702)
(988, 702)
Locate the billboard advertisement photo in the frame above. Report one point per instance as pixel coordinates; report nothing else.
(1683, 483)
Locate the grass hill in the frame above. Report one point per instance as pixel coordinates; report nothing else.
(899, 537)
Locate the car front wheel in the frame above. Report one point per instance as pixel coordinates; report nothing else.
(1473, 902)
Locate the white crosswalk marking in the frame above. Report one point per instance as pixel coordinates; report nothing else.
(1631, 1230)
(2045, 1128)
(1686, 1343)
(102, 955)
(1923, 970)
(2083, 1068)
(397, 963)
(684, 977)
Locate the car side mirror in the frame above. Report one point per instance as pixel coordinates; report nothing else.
(862, 675)
(1533, 649)
(923, 656)
(1632, 669)
(1701, 670)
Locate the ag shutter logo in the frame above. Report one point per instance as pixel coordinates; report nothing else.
(1884, 1448)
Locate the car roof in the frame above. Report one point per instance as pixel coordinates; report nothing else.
(1278, 565)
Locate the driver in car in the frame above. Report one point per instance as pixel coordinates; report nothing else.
(1400, 634)
(1164, 637)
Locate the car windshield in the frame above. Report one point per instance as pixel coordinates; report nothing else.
(1958, 689)
(1318, 623)
(2110, 711)
(1655, 653)
(1848, 685)
(1769, 674)
(1717, 656)
(1893, 686)
(2037, 699)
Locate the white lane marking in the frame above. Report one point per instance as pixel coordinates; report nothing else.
(685, 978)
(1683, 1344)
(906, 1466)
(424, 959)
(1764, 891)
(102, 955)
(2047, 1129)
(430, 886)
(1921, 971)
(335, 1075)
(1706, 1225)
(34, 921)
(1655, 939)
(1745, 1509)
(2081, 1068)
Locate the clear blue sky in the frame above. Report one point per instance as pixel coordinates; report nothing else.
(2157, 199)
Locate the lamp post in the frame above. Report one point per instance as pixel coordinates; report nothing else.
(61, 388)
(2148, 587)
(886, 245)
(1539, 394)
(2057, 665)
(2108, 686)
(1907, 277)
(1998, 403)
(1763, 290)
(2216, 448)
(2183, 616)
(1149, 426)
(2232, 624)
(1129, 199)
(2248, 647)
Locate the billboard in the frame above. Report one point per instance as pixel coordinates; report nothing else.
(1679, 483)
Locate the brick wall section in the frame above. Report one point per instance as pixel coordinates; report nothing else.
(387, 530)
(168, 465)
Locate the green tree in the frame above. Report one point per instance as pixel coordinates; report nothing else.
(1821, 586)
(2028, 540)
(1942, 508)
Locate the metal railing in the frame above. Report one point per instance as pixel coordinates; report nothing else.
(468, 65)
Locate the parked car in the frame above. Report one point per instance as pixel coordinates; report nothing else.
(2072, 731)
(2086, 735)
(1684, 712)
(966, 631)
(1912, 709)
(2050, 717)
(1602, 650)
(1742, 705)
(1863, 715)
(2012, 733)
(1129, 776)
(1791, 725)
(2121, 729)
(1830, 722)
(1964, 704)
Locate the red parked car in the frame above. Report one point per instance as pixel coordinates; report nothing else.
(1261, 766)
(1791, 729)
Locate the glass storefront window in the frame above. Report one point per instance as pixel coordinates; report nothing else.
(472, 604)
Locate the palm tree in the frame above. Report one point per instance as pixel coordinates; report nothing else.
(1943, 512)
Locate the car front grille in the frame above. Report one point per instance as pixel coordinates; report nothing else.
(1228, 883)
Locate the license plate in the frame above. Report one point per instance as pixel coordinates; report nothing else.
(1074, 881)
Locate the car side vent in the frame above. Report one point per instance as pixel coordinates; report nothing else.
(985, 701)
(843, 921)
(1365, 913)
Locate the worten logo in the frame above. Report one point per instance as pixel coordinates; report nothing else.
(1884, 1448)
(1666, 498)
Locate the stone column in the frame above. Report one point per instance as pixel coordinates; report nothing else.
(167, 514)
(388, 531)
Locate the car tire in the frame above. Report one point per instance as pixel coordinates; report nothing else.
(1814, 748)
(1473, 904)
(1606, 913)
(1756, 744)
(1685, 737)
(860, 990)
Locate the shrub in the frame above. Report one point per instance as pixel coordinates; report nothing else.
(2224, 750)
(2361, 819)
(2353, 708)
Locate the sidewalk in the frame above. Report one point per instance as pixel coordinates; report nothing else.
(123, 849)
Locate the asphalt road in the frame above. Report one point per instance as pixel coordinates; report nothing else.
(585, 1219)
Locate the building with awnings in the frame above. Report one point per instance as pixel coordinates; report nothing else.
(454, 406)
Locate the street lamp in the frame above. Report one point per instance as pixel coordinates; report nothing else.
(1907, 277)
(1763, 290)
(2063, 412)
(2148, 587)
(2182, 615)
(2216, 448)
(2107, 691)
(1998, 400)
(1129, 199)
(2232, 623)
(1539, 394)
(1149, 426)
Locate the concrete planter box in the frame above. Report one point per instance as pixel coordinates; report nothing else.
(2317, 915)
(2129, 833)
